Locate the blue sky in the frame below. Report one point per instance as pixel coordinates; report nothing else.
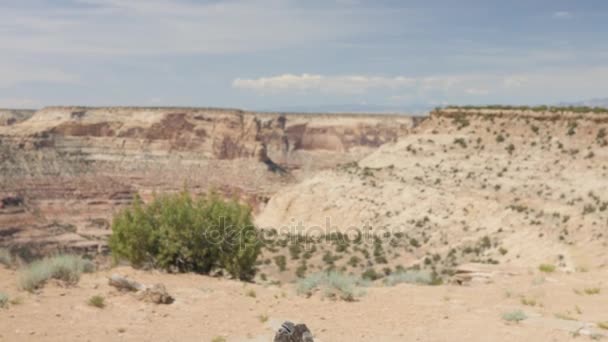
(268, 54)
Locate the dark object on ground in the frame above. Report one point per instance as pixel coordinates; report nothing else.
(11, 201)
(290, 332)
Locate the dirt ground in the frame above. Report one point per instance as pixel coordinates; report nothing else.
(206, 308)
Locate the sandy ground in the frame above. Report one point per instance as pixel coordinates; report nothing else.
(207, 307)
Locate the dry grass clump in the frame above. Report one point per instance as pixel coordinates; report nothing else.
(409, 277)
(546, 268)
(334, 285)
(67, 268)
(3, 300)
(97, 301)
(514, 316)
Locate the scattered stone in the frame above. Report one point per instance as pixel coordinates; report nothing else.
(156, 294)
(478, 273)
(290, 332)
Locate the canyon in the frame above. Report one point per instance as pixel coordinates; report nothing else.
(504, 208)
(66, 170)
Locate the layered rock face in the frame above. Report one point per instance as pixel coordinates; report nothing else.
(492, 186)
(71, 168)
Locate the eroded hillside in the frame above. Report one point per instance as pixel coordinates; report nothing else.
(518, 188)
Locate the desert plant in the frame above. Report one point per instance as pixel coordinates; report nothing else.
(546, 268)
(281, 262)
(514, 316)
(218, 339)
(333, 285)
(250, 293)
(66, 268)
(97, 301)
(301, 270)
(371, 274)
(565, 317)
(603, 325)
(263, 318)
(410, 277)
(3, 300)
(181, 233)
(528, 301)
(461, 142)
(592, 291)
(5, 257)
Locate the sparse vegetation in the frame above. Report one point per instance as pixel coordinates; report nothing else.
(564, 317)
(461, 142)
(371, 274)
(181, 233)
(514, 316)
(281, 262)
(549, 109)
(528, 301)
(592, 291)
(410, 277)
(4, 300)
(97, 301)
(546, 268)
(66, 268)
(333, 285)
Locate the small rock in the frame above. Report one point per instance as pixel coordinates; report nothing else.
(290, 332)
(156, 294)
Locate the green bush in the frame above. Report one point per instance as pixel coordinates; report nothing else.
(97, 301)
(546, 268)
(67, 268)
(181, 233)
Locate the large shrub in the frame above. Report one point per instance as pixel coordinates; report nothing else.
(181, 233)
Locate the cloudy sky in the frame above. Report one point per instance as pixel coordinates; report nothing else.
(270, 54)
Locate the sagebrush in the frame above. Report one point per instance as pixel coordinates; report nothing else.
(178, 232)
(333, 285)
(66, 268)
(3, 300)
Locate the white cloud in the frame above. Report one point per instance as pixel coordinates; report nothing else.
(555, 85)
(138, 27)
(514, 81)
(562, 15)
(348, 84)
(477, 91)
